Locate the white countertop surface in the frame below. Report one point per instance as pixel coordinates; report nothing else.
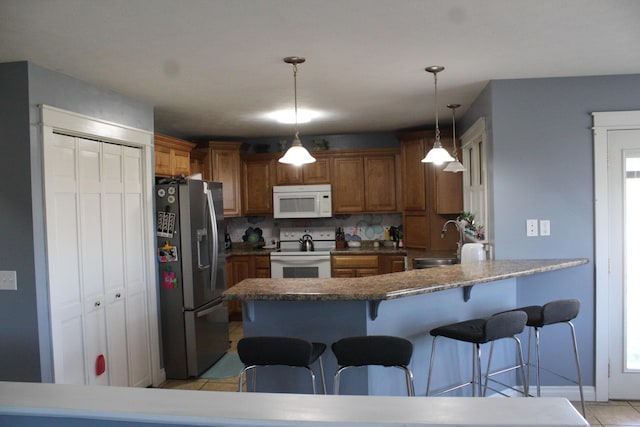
(210, 408)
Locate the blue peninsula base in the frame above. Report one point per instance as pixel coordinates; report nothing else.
(411, 318)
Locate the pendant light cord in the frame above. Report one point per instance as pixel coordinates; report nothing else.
(455, 150)
(295, 96)
(435, 84)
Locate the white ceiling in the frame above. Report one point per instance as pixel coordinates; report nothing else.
(214, 67)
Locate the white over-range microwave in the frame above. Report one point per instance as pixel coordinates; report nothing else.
(302, 201)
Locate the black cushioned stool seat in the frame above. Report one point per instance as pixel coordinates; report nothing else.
(480, 331)
(282, 351)
(381, 350)
(551, 313)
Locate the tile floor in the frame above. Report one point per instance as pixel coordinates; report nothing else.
(616, 413)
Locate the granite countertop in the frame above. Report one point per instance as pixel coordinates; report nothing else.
(393, 285)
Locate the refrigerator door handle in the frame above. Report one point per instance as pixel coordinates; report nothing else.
(214, 228)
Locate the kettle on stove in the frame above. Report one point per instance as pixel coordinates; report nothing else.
(306, 243)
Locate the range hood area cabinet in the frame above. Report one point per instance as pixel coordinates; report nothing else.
(318, 172)
(361, 180)
(430, 195)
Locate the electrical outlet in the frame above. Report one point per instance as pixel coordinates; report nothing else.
(532, 227)
(8, 281)
(545, 227)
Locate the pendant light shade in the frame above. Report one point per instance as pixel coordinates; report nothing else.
(437, 155)
(454, 166)
(296, 155)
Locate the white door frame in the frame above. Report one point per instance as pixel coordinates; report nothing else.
(55, 119)
(602, 123)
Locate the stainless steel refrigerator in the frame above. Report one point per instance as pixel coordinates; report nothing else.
(191, 267)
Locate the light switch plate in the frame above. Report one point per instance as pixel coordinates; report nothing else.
(8, 281)
(532, 227)
(545, 227)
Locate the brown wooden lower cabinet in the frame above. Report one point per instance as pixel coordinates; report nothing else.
(391, 263)
(365, 265)
(240, 267)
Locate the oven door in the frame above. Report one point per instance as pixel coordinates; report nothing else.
(290, 266)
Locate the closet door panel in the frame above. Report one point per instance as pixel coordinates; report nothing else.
(117, 339)
(113, 244)
(136, 303)
(138, 340)
(67, 334)
(96, 341)
(63, 258)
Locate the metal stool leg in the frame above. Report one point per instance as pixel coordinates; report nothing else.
(433, 352)
(575, 352)
(525, 380)
(313, 378)
(537, 334)
(324, 384)
(476, 381)
(245, 373)
(409, 379)
(336, 379)
(520, 365)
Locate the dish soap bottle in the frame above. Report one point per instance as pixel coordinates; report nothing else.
(227, 240)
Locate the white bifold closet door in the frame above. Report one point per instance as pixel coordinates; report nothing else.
(95, 242)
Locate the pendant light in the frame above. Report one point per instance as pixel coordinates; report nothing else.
(437, 155)
(454, 166)
(296, 155)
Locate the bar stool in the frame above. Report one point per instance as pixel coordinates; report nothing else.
(380, 350)
(481, 331)
(282, 351)
(554, 312)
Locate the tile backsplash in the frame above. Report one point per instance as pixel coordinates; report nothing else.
(364, 226)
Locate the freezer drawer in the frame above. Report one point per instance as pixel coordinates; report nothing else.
(207, 336)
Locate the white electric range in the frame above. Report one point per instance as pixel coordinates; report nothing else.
(291, 262)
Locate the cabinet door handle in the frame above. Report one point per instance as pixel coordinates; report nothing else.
(118, 295)
(96, 304)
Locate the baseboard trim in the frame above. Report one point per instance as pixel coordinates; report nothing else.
(571, 393)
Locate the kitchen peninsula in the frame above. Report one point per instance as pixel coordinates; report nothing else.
(407, 304)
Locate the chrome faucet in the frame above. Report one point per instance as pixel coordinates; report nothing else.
(460, 231)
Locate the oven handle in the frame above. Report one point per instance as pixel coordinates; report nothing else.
(300, 260)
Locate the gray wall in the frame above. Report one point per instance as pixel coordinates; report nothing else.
(24, 315)
(19, 357)
(541, 167)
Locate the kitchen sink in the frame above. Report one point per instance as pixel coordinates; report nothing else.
(419, 263)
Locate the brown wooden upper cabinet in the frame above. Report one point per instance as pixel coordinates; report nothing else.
(347, 184)
(365, 182)
(318, 172)
(172, 156)
(430, 196)
(222, 164)
(413, 175)
(427, 186)
(258, 173)
(380, 183)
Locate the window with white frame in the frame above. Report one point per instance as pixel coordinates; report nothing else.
(474, 177)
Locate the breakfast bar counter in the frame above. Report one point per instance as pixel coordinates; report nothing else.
(407, 304)
(393, 285)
